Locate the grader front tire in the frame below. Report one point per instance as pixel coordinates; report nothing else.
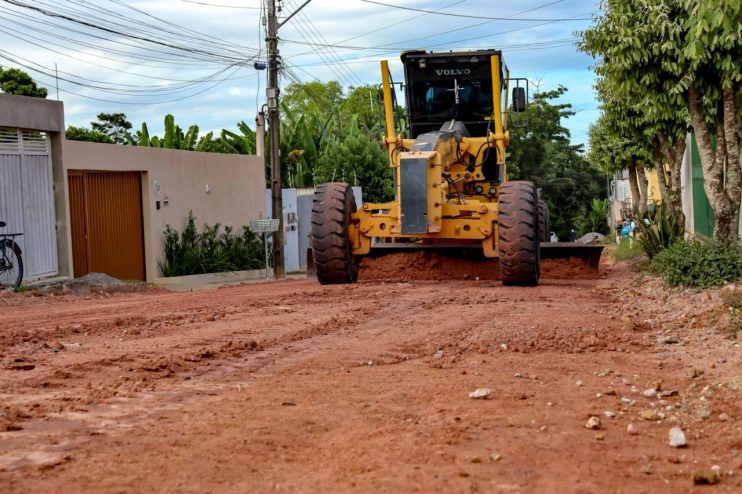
(332, 206)
(519, 235)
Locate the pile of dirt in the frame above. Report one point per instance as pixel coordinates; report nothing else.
(437, 266)
(91, 283)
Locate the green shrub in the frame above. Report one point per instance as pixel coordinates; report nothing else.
(699, 263)
(209, 251)
(659, 230)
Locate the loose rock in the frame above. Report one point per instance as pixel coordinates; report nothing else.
(593, 423)
(705, 477)
(632, 430)
(480, 394)
(650, 415)
(677, 438)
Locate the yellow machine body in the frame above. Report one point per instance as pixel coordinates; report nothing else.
(451, 216)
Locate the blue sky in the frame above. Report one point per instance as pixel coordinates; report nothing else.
(204, 52)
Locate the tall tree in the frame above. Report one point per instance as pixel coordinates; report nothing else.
(114, 125)
(18, 82)
(355, 157)
(542, 151)
(673, 60)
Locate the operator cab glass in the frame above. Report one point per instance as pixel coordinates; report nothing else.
(437, 101)
(449, 86)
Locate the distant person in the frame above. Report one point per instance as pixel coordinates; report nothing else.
(572, 235)
(626, 229)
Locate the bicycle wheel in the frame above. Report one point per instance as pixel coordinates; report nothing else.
(11, 264)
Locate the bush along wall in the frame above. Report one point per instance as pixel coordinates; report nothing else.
(699, 263)
(215, 249)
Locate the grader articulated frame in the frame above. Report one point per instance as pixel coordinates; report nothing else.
(450, 176)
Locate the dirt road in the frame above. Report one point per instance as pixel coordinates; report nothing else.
(294, 387)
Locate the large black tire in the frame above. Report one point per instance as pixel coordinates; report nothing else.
(544, 226)
(10, 256)
(332, 206)
(518, 234)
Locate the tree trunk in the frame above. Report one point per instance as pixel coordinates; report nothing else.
(643, 189)
(733, 143)
(673, 154)
(636, 197)
(659, 165)
(725, 208)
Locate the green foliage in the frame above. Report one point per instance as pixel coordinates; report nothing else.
(114, 125)
(666, 63)
(596, 219)
(209, 251)
(357, 159)
(16, 81)
(627, 250)
(541, 151)
(700, 264)
(84, 134)
(659, 230)
(327, 135)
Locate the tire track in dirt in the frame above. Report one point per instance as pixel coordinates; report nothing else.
(303, 411)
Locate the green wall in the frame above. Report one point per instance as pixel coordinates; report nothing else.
(703, 216)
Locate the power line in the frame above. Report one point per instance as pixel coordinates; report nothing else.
(333, 56)
(113, 30)
(46, 74)
(473, 16)
(223, 6)
(511, 48)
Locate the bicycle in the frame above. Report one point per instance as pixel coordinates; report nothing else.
(11, 262)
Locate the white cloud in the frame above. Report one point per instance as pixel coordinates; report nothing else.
(144, 83)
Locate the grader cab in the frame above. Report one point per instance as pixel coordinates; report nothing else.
(450, 176)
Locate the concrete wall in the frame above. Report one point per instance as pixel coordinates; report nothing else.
(24, 112)
(218, 188)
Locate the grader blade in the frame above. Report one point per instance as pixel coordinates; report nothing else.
(589, 254)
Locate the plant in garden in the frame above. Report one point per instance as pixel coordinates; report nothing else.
(699, 263)
(209, 251)
(659, 230)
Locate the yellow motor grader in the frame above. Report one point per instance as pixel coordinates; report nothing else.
(450, 178)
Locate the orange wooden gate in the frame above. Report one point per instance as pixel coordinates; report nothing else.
(106, 223)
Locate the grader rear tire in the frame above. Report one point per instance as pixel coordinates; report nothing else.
(519, 236)
(544, 226)
(332, 206)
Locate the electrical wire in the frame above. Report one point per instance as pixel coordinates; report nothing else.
(307, 30)
(565, 19)
(223, 6)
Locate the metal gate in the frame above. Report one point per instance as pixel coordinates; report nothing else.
(106, 223)
(27, 198)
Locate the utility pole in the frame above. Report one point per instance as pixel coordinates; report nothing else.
(274, 132)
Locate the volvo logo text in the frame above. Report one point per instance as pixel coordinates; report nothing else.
(453, 71)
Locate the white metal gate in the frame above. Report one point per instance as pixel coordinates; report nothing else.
(27, 198)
